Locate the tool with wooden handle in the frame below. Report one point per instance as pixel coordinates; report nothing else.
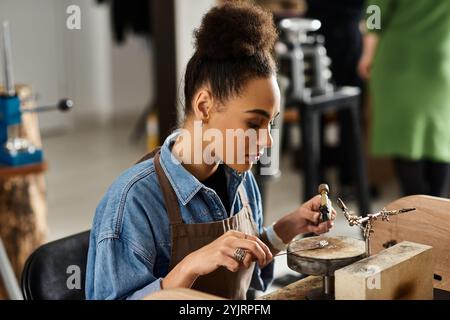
(325, 204)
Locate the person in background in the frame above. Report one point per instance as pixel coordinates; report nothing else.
(407, 62)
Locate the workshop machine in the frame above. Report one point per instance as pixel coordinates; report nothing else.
(303, 58)
(16, 151)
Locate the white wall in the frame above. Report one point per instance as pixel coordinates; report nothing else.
(106, 81)
(88, 60)
(37, 58)
(133, 82)
(187, 18)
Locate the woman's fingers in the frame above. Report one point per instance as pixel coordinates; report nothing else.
(314, 216)
(266, 249)
(321, 228)
(314, 203)
(229, 263)
(333, 214)
(240, 235)
(311, 216)
(229, 253)
(234, 234)
(248, 260)
(252, 247)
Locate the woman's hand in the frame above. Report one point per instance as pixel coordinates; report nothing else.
(305, 219)
(219, 253)
(364, 67)
(370, 44)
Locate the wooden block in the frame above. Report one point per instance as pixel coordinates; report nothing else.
(404, 271)
(429, 224)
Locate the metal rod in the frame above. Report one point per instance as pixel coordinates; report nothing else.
(320, 245)
(63, 105)
(367, 240)
(8, 276)
(39, 109)
(9, 74)
(290, 252)
(328, 286)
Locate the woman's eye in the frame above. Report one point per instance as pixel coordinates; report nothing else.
(252, 125)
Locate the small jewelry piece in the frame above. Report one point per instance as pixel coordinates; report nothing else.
(323, 243)
(239, 254)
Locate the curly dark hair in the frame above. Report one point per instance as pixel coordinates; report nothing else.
(233, 45)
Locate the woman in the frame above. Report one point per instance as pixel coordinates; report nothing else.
(191, 216)
(408, 61)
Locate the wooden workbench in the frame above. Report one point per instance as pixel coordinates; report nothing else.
(295, 291)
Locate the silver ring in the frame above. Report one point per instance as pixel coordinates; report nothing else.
(239, 254)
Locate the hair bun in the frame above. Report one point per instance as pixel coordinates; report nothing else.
(235, 30)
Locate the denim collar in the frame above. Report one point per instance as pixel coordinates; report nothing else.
(183, 182)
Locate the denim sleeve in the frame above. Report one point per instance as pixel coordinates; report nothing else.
(121, 271)
(262, 278)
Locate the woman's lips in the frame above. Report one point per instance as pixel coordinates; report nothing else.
(254, 157)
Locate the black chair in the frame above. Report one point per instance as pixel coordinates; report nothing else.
(48, 270)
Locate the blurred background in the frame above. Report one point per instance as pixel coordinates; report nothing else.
(122, 66)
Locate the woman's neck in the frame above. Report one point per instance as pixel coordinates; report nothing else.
(185, 150)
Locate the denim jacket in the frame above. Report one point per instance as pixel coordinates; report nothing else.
(129, 249)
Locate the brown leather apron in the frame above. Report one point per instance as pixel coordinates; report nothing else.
(186, 238)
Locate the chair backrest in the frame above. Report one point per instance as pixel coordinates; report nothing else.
(57, 270)
(429, 224)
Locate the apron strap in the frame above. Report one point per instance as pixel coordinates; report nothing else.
(243, 196)
(149, 155)
(245, 203)
(170, 198)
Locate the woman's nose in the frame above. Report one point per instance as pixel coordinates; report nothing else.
(265, 139)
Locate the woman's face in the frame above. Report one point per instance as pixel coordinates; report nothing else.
(244, 122)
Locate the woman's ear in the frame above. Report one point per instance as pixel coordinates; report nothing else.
(203, 105)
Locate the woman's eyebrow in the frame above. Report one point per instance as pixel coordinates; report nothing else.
(262, 112)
